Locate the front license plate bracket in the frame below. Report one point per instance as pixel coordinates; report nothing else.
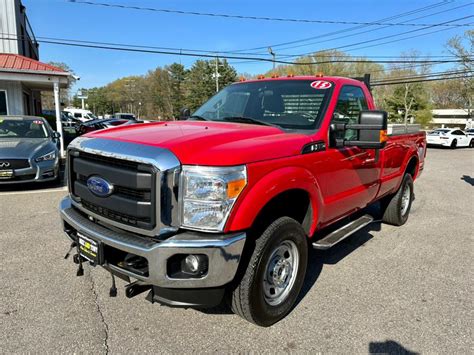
(90, 249)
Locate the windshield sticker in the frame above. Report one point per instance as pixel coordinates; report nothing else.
(321, 84)
(38, 122)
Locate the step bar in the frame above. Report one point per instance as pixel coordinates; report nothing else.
(342, 233)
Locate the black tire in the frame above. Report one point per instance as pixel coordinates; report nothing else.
(248, 299)
(471, 143)
(454, 144)
(393, 213)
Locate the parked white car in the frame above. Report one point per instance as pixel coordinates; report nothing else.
(446, 137)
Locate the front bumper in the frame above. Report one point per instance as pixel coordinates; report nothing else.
(223, 251)
(37, 172)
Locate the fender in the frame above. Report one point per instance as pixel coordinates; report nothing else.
(258, 194)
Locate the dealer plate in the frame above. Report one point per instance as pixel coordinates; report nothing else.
(90, 249)
(6, 174)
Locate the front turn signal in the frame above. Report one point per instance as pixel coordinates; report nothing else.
(234, 188)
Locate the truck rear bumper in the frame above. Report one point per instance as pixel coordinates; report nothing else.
(222, 251)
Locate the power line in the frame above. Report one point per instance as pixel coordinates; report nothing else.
(422, 76)
(327, 34)
(366, 31)
(398, 34)
(246, 17)
(178, 52)
(419, 81)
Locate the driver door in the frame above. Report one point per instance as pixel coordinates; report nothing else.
(350, 178)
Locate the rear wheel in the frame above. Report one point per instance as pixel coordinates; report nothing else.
(471, 143)
(454, 143)
(275, 274)
(396, 208)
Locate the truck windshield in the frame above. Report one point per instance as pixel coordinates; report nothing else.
(27, 128)
(289, 104)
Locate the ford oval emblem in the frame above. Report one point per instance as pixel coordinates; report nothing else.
(99, 186)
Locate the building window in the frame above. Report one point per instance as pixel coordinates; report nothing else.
(3, 103)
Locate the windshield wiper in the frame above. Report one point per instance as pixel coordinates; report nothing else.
(246, 120)
(199, 118)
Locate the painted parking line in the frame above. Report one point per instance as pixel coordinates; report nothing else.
(58, 189)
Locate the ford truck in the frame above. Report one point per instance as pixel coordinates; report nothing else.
(223, 205)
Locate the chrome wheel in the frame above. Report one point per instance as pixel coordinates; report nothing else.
(280, 272)
(406, 196)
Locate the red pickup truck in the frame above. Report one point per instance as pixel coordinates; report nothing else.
(225, 204)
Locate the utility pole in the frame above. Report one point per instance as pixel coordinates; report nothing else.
(270, 50)
(216, 74)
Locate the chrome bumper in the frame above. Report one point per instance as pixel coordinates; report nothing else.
(224, 251)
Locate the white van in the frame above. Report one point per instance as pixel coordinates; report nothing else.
(81, 115)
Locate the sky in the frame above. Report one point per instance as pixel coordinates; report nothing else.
(96, 67)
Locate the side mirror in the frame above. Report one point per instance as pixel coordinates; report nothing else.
(371, 131)
(56, 135)
(184, 114)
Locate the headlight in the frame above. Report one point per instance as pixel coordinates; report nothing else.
(209, 194)
(49, 156)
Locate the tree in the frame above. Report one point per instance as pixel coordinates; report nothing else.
(408, 100)
(47, 97)
(463, 49)
(328, 63)
(178, 75)
(201, 80)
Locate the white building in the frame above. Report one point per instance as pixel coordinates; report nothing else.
(22, 75)
(17, 35)
(452, 118)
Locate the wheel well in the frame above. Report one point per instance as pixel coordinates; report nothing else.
(293, 203)
(412, 167)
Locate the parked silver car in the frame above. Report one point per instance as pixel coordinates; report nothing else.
(28, 150)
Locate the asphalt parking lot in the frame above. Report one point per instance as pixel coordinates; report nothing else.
(385, 289)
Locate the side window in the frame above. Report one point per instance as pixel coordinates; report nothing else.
(349, 104)
(77, 115)
(458, 133)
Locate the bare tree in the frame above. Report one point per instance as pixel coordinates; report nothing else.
(463, 49)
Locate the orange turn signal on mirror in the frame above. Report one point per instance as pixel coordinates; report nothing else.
(234, 188)
(383, 136)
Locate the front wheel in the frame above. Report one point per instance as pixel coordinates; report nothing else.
(275, 274)
(396, 208)
(471, 143)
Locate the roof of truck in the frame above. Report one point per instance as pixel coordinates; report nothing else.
(334, 79)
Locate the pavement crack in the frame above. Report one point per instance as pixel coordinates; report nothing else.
(99, 311)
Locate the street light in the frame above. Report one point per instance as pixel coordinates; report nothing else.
(270, 50)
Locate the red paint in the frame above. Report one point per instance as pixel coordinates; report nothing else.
(17, 62)
(338, 181)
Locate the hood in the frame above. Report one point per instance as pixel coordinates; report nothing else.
(212, 143)
(23, 148)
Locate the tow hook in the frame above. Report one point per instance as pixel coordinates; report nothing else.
(136, 288)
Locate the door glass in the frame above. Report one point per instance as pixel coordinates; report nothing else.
(349, 104)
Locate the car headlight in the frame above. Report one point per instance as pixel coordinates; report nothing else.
(208, 195)
(46, 157)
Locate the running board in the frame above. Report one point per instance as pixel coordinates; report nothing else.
(342, 233)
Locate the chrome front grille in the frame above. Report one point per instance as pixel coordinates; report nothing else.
(134, 197)
(145, 180)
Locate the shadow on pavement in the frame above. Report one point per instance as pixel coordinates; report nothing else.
(317, 258)
(389, 347)
(468, 179)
